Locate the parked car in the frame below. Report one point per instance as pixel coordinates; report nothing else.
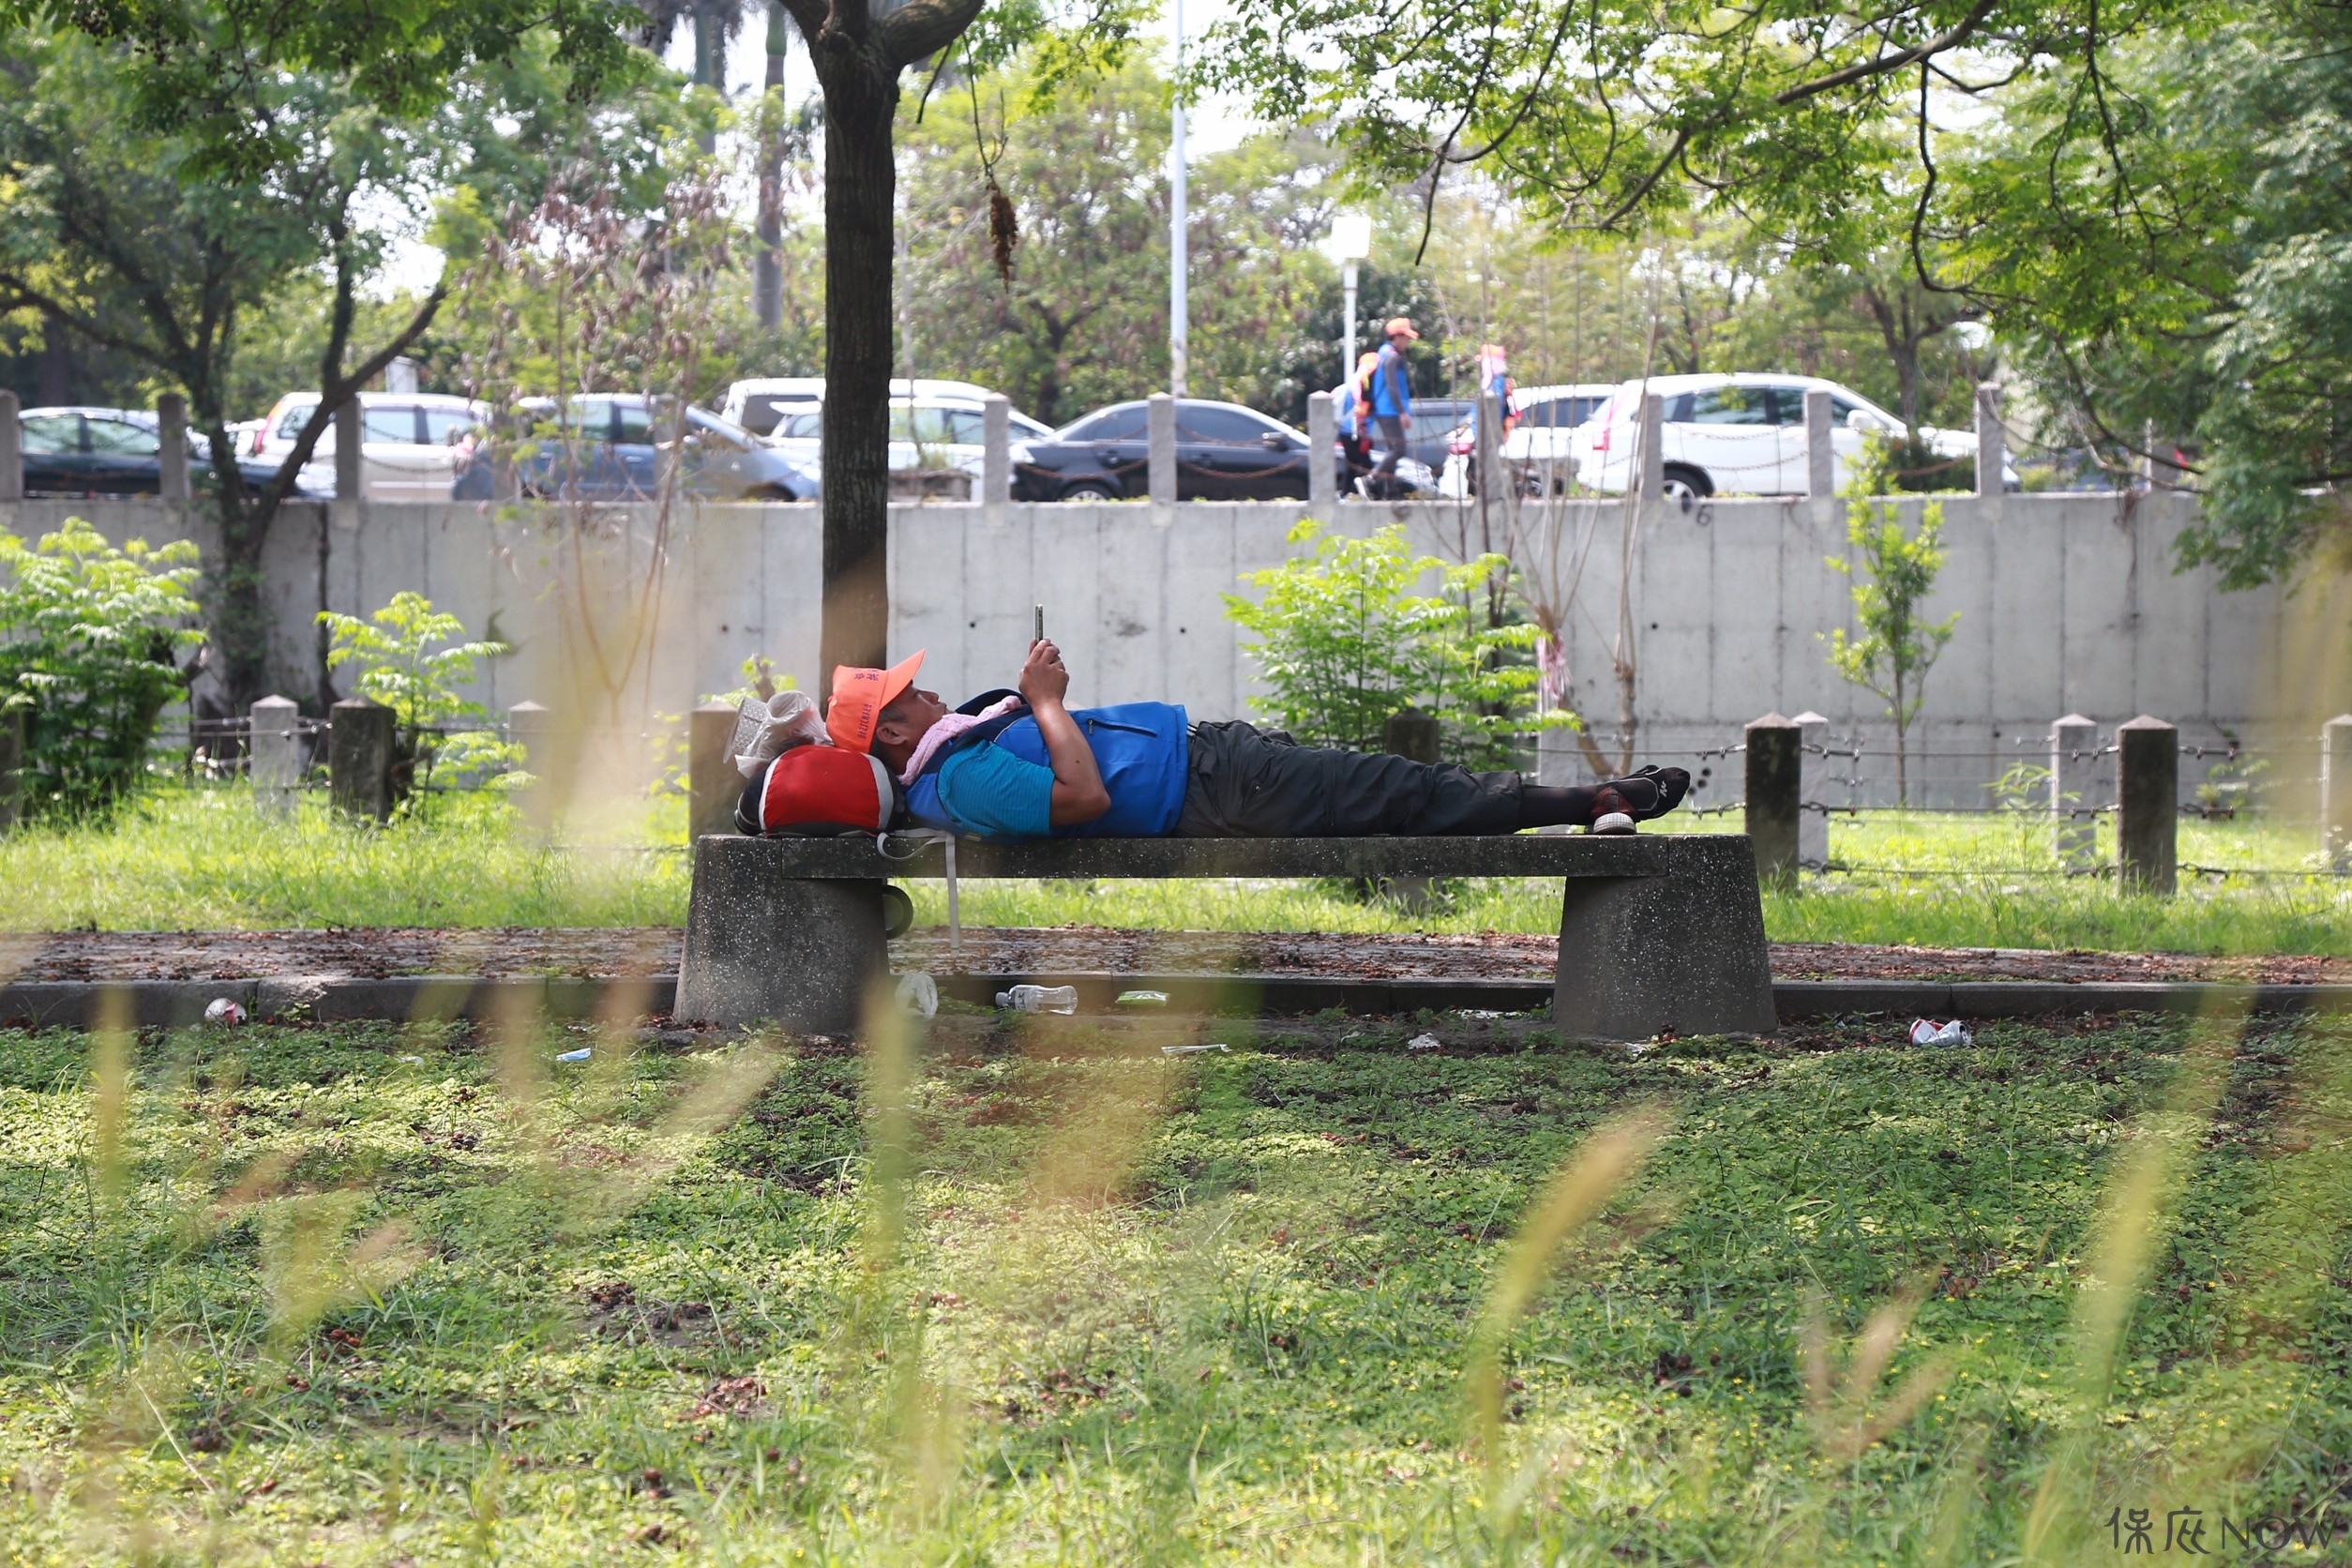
(1537, 449)
(612, 447)
(933, 424)
(410, 443)
(1743, 434)
(110, 451)
(1224, 452)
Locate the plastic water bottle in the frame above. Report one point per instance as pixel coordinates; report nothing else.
(1039, 998)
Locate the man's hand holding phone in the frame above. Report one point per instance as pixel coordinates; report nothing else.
(1045, 679)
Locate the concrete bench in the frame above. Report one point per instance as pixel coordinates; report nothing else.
(1657, 932)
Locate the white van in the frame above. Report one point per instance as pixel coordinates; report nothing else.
(1740, 434)
(933, 424)
(412, 444)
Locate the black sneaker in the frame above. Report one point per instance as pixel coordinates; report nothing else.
(1620, 803)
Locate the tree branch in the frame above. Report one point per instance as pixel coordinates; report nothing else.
(1861, 72)
(923, 28)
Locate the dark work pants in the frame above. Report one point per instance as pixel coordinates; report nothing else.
(1391, 449)
(1248, 784)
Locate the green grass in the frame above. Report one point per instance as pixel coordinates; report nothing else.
(191, 859)
(1033, 1292)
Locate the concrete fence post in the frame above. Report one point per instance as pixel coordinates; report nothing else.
(1653, 441)
(527, 726)
(1776, 796)
(1161, 470)
(2148, 805)
(1820, 446)
(2073, 775)
(1487, 455)
(349, 432)
(1992, 441)
(274, 753)
(11, 450)
(359, 758)
(1813, 781)
(996, 455)
(2335, 790)
(530, 725)
(1322, 436)
(712, 783)
(1415, 734)
(11, 767)
(171, 426)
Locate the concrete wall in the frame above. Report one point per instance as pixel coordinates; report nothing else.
(2066, 603)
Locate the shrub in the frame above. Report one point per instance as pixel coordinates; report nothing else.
(1896, 647)
(400, 670)
(88, 635)
(1344, 642)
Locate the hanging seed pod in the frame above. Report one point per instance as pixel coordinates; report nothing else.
(1003, 230)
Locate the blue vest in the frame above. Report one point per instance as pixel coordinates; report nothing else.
(1142, 749)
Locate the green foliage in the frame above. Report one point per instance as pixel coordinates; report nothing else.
(1891, 655)
(1344, 642)
(1083, 320)
(87, 635)
(2172, 256)
(399, 668)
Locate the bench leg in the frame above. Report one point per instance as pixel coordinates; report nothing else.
(801, 952)
(1639, 956)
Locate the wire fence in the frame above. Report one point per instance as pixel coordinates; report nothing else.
(2007, 808)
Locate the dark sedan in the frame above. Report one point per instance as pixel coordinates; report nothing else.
(110, 451)
(1224, 452)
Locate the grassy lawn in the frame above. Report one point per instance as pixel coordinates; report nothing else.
(193, 859)
(1031, 1291)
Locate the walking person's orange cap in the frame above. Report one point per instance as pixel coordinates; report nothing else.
(859, 696)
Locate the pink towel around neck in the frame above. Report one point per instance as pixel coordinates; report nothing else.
(948, 729)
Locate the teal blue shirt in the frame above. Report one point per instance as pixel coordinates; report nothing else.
(988, 793)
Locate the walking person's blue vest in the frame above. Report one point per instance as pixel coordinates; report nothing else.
(1142, 750)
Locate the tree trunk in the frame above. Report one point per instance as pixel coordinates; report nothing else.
(768, 270)
(861, 92)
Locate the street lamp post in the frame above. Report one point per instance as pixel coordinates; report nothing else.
(1350, 242)
(1177, 306)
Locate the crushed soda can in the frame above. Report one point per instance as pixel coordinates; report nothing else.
(226, 1012)
(1194, 1050)
(1927, 1031)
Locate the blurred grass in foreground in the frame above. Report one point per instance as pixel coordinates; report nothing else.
(1024, 1290)
(199, 858)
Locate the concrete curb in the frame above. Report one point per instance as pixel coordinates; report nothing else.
(336, 999)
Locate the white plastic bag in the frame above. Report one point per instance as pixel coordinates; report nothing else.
(764, 731)
(918, 993)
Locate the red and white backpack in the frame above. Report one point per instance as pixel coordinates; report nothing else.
(818, 791)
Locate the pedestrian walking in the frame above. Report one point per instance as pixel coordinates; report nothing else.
(1351, 411)
(1392, 403)
(1494, 375)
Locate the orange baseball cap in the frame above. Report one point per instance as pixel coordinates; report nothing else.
(1403, 324)
(859, 696)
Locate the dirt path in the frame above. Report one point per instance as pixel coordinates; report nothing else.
(377, 953)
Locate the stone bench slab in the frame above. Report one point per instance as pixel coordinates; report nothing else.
(1656, 934)
(1524, 854)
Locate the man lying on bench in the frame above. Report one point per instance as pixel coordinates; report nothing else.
(1026, 766)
